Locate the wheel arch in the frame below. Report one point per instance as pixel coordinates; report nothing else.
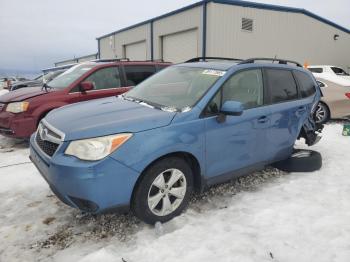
(189, 158)
(329, 110)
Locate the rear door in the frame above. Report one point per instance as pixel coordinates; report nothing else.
(288, 112)
(107, 82)
(135, 74)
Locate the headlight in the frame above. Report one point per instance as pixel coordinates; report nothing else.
(17, 107)
(93, 149)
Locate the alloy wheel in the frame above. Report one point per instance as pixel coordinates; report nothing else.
(167, 192)
(321, 113)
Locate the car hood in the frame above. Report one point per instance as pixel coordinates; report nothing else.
(106, 116)
(22, 94)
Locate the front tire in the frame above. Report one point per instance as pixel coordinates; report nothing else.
(164, 191)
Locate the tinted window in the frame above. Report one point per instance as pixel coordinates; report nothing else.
(245, 87)
(339, 71)
(136, 74)
(214, 105)
(282, 85)
(307, 85)
(105, 78)
(316, 70)
(161, 67)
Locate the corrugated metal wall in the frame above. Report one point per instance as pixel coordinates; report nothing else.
(114, 46)
(117, 44)
(179, 24)
(283, 34)
(275, 33)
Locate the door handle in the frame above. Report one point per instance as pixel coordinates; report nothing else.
(262, 120)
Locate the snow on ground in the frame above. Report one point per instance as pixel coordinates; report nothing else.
(267, 216)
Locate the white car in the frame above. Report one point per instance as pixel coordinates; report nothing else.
(331, 73)
(12, 79)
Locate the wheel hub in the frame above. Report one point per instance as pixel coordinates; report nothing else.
(167, 192)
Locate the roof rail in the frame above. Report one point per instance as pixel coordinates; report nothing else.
(128, 60)
(150, 60)
(198, 59)
(111, 60)
(273, 60)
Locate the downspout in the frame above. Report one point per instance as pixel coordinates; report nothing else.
(152, 46)
(204, 27)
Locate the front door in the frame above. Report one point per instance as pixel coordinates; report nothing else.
(106, 81)
(239, 142)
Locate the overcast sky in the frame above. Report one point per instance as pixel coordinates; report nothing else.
(34, 34)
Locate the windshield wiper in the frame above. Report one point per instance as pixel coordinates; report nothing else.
(143, 102)
(46, 87)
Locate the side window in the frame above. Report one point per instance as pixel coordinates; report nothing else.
(307, 85)
(282, 85)
(317, 70)
(339, 71)
(136, 74)
(105, 78)
(161, 67)
(214, 105)
(245, 87)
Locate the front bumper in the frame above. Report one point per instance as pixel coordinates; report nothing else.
(89, 186)
(16, 125)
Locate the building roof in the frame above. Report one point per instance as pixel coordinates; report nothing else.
(76, 58)
(237, 3)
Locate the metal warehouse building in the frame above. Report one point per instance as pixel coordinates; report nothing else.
(77, 60)
(232, 28)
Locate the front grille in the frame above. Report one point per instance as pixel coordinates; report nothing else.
(48, 147)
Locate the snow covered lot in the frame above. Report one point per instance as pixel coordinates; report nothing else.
(267, 216)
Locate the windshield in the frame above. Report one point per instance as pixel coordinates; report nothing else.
(68, 77)
(175, 88)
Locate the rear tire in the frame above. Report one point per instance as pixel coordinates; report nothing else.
(301, 161)
(164, 190)
(322, 113)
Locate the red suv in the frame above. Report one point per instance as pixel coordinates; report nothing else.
(22, 110)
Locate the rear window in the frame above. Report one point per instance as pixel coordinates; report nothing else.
(307, 85)
(281, 85)
(136, 74)
(339, 71)
(317, 70)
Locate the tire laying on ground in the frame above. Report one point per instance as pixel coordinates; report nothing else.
(301, 161)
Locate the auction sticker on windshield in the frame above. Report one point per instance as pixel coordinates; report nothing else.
(213, 72)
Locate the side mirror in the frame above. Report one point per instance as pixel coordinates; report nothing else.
(232, 108)
(86, 86)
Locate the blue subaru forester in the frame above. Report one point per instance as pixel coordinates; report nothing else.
(188, 127)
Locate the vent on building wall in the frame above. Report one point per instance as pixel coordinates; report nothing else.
(247, 24)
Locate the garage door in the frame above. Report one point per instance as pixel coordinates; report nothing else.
(180, 47)
(136, 51)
